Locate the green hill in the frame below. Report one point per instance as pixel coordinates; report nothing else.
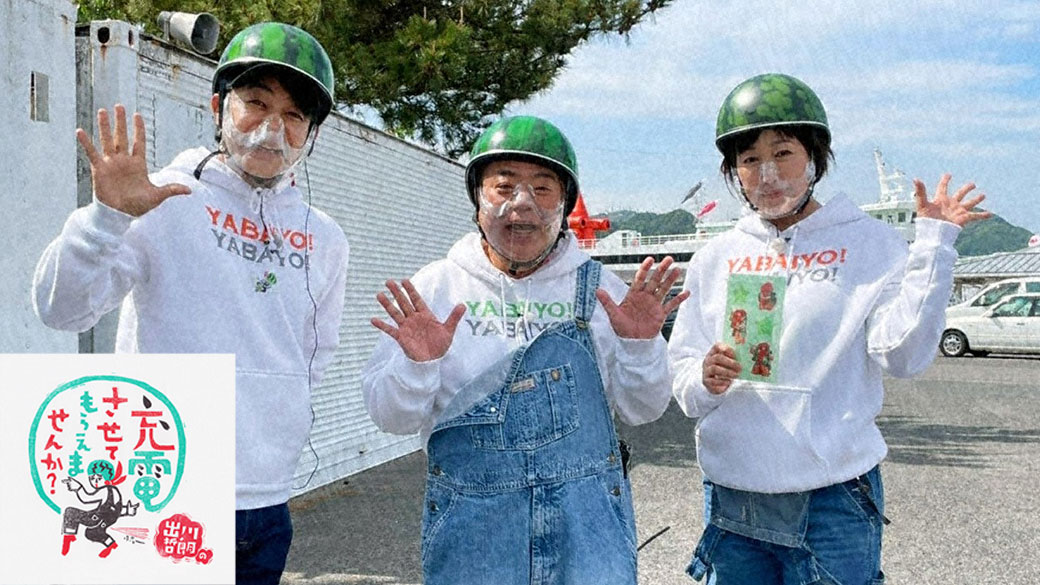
(991, 236)
(979, 238)
(652, 224)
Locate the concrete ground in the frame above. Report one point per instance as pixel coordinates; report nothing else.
(960, 479)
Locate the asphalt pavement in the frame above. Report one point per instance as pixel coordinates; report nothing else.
(962, 485)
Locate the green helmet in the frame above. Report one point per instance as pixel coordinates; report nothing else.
(772, 99)
(529, 139)
(281, 45)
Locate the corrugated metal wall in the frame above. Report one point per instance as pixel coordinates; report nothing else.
(401, 207)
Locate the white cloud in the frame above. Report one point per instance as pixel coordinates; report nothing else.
(937, 84)
(684, 64)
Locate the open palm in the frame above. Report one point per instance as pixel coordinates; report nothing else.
(420, 334)
(642, 312)
(952, 209)
(120, 174)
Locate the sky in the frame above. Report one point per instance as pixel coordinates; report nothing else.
(938, 86)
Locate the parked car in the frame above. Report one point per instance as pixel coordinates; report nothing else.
(1010, 326)
(989, 295)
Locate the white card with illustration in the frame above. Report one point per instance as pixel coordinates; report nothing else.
(121, 468)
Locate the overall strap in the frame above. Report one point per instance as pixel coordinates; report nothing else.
(585, 292)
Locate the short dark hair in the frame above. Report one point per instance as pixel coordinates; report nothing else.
(297, 84)
(815, 140)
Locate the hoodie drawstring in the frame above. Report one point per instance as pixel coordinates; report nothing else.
(780, 245)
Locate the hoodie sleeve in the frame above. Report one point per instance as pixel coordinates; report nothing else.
(399, 393)
(637, 379)
(904, 328)
(87, 270)
(692, 335)
(329, 313)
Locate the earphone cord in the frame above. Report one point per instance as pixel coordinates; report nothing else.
(314, 326)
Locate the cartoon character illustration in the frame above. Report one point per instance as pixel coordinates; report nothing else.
(266, 282)
(766, 297)
(763, 358)
(738, 323)
(108, 507)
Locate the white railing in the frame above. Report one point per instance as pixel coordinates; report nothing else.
(641, 241)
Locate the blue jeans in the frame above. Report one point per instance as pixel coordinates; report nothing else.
(262, 538)
(838, 540)
(526, 486)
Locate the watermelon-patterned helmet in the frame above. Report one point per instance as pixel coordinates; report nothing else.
(281, 45)
(772, 99)
(529, 139)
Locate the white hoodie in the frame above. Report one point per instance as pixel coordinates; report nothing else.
(502, 313)
(197, 279)
(857, 305)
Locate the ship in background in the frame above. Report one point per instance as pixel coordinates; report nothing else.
(623, 250)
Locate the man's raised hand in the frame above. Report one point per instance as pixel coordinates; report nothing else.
(118, 172)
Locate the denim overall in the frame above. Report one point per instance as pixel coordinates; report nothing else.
(827, 536)
(526, 486)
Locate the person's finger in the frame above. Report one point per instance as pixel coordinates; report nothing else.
(400, 298)
(88, 146)
(670, 280)
(676, 301)
(964, 190)
(724, 363)
(119, 139)
(413, 296)
(942, 189)
(453, 319)
(658, 275)
(608, 304)
(140, 140)
(726, 350)
(384, 327)
(727, 370)
(172, 189)
(971, 203)
(920, 194)
(718, 386)
(390, 308)
(978, 215)
(104, 132)
(640, 278)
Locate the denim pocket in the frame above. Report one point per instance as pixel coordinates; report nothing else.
(701, 561)
(618, 493)
(439, 502)
(537, 408)
(867, 495)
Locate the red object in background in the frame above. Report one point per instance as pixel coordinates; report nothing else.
(583, 226)
(707, 208)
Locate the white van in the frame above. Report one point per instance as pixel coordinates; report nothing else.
(989, 296)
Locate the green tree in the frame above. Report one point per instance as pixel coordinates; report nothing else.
(436, 70)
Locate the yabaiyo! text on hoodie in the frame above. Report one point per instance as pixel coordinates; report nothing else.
(237, 234)
(817, 266)
(520, 318)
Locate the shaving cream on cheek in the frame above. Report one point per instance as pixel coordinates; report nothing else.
(264, 140)
(775, 197)
(518, 228)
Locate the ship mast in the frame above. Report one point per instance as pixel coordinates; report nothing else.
(892, 184)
